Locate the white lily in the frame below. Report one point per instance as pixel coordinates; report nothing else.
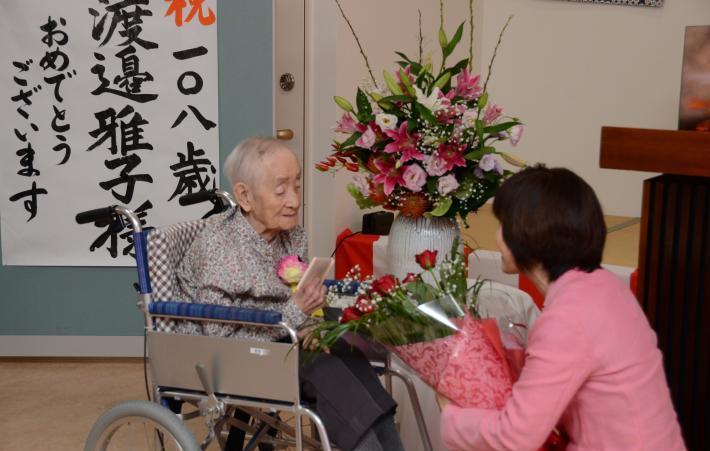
(432, 102)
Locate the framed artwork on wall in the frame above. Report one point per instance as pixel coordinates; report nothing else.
(656, 3)
(694, 110)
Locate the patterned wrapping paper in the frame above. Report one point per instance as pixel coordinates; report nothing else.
(469, 367)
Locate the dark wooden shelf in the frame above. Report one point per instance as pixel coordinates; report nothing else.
(677, 152)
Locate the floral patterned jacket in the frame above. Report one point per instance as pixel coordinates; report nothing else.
(230, 264)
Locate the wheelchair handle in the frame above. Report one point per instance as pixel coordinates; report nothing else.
(106, 214)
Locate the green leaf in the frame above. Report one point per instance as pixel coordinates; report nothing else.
(422, 292)
(344, 104)
(458, 67)
(442, 207)
(443, 79)
(403, 56)
(500, 127)
(363, 106)
(479, 153)
(475, 155)
(407, 83)
(426, 114)
(351, 140)
(400, 98)
(392, 83)
(362, 201)
(449, 48)
(387, 106)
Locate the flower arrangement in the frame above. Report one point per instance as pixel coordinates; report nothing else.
(425, 144)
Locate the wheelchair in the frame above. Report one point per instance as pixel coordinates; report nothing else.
(213, 375)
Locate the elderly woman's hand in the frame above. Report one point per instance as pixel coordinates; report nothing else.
(310, 296)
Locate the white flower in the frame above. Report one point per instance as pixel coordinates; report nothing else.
(487, 163)
(447, 184)
(469, 118)
(362, 183)
(432, 103)
(429, 140)
(515, 133)
(386, 121)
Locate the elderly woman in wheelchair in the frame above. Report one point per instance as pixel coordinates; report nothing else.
(232, 263)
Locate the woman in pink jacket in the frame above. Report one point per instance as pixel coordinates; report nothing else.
(592, 363)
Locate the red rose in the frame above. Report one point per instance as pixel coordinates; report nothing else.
(427, 259)
(349, 314)
(411, 277)
(384, 285)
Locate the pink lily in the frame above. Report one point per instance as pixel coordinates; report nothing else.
(492, 113)
(404, 143)
(452, 155)
(390, 175)
(346, 124)
(467, 86)
(448, 111)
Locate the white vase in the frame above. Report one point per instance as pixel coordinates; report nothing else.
(411, 236)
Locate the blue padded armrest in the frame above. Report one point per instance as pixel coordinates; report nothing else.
(341, 287)
(211, 311)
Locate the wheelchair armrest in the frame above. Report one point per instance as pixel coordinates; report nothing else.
(189, 310)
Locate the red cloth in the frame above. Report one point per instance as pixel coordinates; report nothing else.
(354, 250)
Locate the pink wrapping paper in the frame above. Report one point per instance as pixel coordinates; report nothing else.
(470, 367)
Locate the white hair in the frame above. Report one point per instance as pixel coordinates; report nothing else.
(240, 165)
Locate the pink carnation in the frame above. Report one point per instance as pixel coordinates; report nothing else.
(367, 140)
(447, 184)
(414, 177)
(290, 269)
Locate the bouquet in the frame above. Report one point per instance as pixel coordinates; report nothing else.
(424, 143)
(430, 321)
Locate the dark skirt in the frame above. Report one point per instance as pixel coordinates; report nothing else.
(346, 392)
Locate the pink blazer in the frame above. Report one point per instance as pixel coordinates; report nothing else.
(592, 364)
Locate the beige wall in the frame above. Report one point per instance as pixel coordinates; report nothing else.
(564, 68)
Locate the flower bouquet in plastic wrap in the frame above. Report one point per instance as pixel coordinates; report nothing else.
(430, 321)
(466, 341)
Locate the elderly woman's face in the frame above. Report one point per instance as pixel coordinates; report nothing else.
(276, 194)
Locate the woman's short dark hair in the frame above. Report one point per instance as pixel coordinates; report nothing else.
(550, 216)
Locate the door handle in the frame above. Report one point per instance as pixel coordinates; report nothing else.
(285, 134)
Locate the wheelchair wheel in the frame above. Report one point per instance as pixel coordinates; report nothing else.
(139, 426)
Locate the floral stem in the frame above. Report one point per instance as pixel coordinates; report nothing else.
(441, 14)
(357, 40)
(470, 38)
(495, 52)
(421, 37)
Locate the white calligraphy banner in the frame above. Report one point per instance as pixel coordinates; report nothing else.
(102, 102)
